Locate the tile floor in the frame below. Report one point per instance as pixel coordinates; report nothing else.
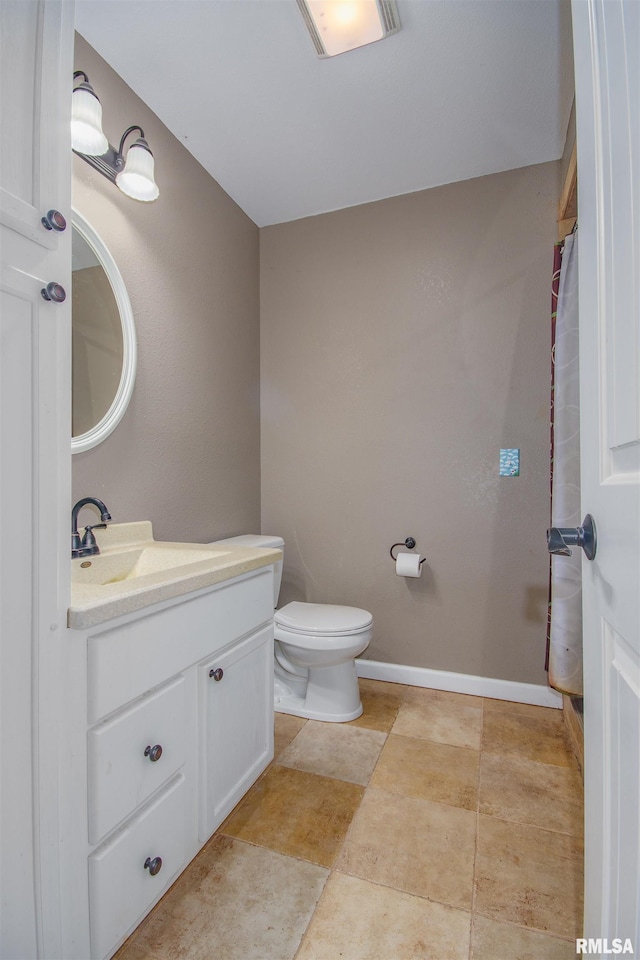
(436, 826)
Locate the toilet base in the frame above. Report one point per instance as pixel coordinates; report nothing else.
(330, 694)
(295, 706)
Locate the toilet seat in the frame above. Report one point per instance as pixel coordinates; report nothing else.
(322, 619)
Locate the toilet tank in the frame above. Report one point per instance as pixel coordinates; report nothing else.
(258, 540)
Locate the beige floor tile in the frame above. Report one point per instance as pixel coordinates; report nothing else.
(408, 693)
(380, 707)
(357, 920)
(541, 794)
(335, 750)
(441, 720)
(286, 728)
(296, 813)
(243, 903)
(521, 709)
(417, 846)
(460, 699)
(492, 940)
(428, 771)
(525, 736)
(130, 950)
(529, 876)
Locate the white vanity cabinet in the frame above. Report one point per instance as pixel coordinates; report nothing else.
(170, 722)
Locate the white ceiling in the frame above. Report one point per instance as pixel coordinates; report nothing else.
(466, 88)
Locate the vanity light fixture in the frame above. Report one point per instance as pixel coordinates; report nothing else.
(87, 135)
(135, 175)
(340, 25)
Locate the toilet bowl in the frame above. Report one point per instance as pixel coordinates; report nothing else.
(315, 648)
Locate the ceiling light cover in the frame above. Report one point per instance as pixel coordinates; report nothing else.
(137, 179)
(340, 25)
(86, 122)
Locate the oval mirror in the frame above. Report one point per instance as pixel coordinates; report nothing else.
(104, 340)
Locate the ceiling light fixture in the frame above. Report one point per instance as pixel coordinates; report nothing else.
(340, 25)
(135, 176)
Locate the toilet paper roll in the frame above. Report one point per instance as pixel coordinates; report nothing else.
(408, 565)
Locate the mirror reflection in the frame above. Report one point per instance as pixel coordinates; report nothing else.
(104, 341)
(97, 339)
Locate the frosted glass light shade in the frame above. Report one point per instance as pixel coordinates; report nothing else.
(86, 123)
(340, 25)
(137, 178)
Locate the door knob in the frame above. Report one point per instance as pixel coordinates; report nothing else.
(559, 539)
(154, 753)
(54, 291)
(216, 674)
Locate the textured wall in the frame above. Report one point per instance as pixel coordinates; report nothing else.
(187, 453)
(403, 343)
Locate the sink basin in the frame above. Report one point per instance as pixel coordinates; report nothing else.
(131, 564)
(133, 571)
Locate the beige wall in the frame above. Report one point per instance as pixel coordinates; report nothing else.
(186, 454)
(403, 344)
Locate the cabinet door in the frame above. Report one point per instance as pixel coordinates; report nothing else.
(236, 716)
(36, 63)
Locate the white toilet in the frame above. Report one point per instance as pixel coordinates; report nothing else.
(314, 652)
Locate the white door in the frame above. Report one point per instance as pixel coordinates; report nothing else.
(35, 176)
(607, 63)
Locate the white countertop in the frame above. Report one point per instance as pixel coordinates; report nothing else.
(94, 602)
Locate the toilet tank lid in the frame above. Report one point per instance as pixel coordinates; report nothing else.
(253, 540)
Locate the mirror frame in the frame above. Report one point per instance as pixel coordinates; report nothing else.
(116, 411)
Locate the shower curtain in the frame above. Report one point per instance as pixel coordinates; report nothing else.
(564, 630)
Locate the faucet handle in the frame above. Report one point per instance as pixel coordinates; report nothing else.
(89, 540)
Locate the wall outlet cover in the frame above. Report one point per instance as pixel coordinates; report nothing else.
(510, 462)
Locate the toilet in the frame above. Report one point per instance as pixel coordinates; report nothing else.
(314, 650)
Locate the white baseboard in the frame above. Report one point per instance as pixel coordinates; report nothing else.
(537, 694)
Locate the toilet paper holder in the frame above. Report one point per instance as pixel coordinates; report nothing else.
(409, 543)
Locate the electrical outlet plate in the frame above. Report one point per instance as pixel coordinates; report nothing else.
(510, 462)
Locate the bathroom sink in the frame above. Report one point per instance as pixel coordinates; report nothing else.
(124, 565)
(133, 571)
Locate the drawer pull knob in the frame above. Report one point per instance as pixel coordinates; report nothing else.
(154, 753)
(153, 866)
(216, 674)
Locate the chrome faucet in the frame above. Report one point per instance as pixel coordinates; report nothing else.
(87, 546)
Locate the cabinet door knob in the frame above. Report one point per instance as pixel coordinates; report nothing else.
(216, 674)
(54, 291)
(153, 866)
(154, 753)
(54, 221)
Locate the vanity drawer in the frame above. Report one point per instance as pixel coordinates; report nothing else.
(124, 768)
(125, 662)
(121, 889)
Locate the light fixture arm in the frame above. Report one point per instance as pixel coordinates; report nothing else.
(125, 135)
